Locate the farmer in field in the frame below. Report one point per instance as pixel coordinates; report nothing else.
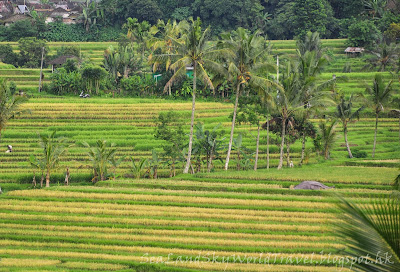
(9, 149)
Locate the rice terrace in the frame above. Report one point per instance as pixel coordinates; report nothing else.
(173, 138)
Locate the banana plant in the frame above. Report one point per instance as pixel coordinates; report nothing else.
(101, 155)
(154, 163)
(137, 168)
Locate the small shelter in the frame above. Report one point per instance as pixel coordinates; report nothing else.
(354, 51)
(57, 62)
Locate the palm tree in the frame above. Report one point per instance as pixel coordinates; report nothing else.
(248, 63)
(192, 51)
(383, 55)
(372, 230)
(344, 111)
(328, 136)
(311, 43)
(288, 101)
(164, 42)
(140, 33)
(101, 155)
(53, 148)
(314, 93)
(9, 105)
(376, 8)
(379, 96)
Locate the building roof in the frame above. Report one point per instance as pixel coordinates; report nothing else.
(16, 18)
(354, 50)
(61, 60)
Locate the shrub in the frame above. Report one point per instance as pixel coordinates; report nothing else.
(63, 82)
(7, 55)
(359, 154)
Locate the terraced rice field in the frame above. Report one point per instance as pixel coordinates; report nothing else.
(214, 222)
(129, 123)
(221, 221)
(28, 79)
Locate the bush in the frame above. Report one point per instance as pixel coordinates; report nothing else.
(60, 32)
(63, 82)
(359, 154)
(363, 33)
(138, 85)
(7, 55)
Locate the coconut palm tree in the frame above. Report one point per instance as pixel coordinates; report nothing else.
(141, 33)
(163, 41)
(384, 55)
(346, 114)
(315, 94)
(194, 52)
(372, 230)
(288, 101)
(9, 105)
(249, 66)
(53, 149)
(379, 96)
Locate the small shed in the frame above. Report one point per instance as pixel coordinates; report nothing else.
(57, 62)
(354, 51)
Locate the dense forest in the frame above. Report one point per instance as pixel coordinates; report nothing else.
(284, 19)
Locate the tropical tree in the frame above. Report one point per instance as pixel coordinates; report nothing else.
(346, 113)
(383, 55)
(248, 66)
(314, 91)
(372, 231)
(93, 75)
(39, 164)
(102, 156)
(169, 128)
(208, 143)
(139, 32)
(119, 61)
(328, 136)
(91, 13)
(377, 8)
(9, 105)
(138, 167)
(379, 95)
(154, 163)
(52, 150)
(193, 51)
(288, 100)
(163, 41)
(315, 94)
(253, 110)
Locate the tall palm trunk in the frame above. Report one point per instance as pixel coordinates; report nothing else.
(233, 126)
(282, 143)
(376, 132)
(303, 148)
(346, 141)
(267, 144)
(257, 148)
(287, 154)
(48, 178)
(186, 170)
